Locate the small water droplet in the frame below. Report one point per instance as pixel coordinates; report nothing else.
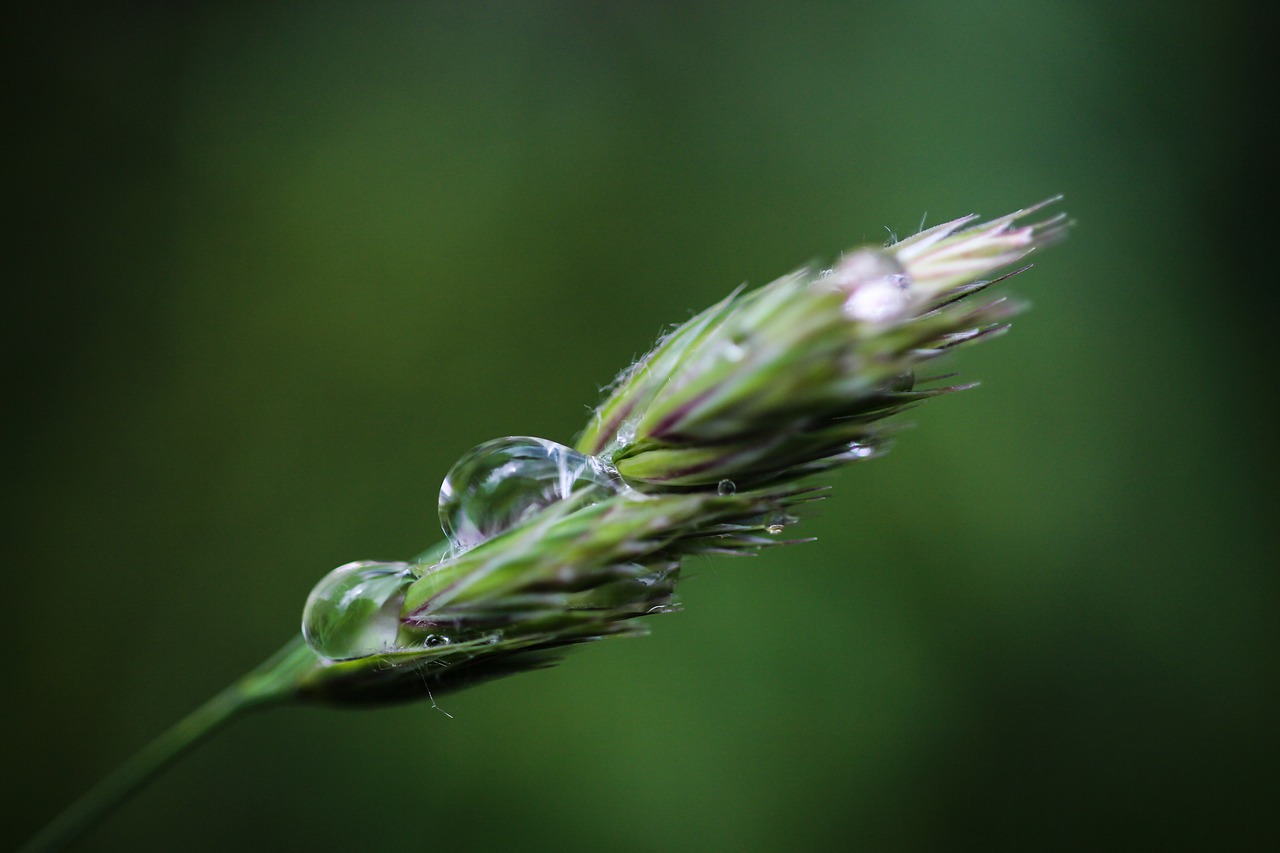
(626, 432)
(501, 483)
(878, 301)
(902, 382)
(877, 288)
(865, 265)
(434, 640)
(861, 450)
(354, 611)
(726, 487)
(775, 529)
(623, 436)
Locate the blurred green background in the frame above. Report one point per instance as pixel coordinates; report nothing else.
(273, 267)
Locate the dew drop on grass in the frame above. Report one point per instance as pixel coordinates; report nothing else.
(881, 301)
(877, 288)
(627, 431)
(726, 487)
(354, 611)
(861, 450)
(501, 483)
(776, 523)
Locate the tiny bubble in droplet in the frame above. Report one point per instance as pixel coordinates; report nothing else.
(726, 487)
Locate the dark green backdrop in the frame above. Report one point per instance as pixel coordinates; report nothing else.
(273, 267)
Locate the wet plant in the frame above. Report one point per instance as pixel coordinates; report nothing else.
(712, 443)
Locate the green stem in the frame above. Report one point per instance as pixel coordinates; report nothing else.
(272, 682)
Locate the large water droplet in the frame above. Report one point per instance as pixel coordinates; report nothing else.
(355, 609)
(503, 482)
(726, 487)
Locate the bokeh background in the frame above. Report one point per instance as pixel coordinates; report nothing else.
(273, 267)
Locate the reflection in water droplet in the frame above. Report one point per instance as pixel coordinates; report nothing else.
(503, 482)
(726, 487)
(355, 609)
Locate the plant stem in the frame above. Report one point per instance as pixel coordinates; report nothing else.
(272, 682)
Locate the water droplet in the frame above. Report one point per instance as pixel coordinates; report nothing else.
(775, 529)
(626, 432)
(865, 265)
(503, 482)
(434, 640)
(878, 301)
(726, 487)
(877, 288)
(354, 611)
(861, 450)
(902, 382)
(624, 435)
